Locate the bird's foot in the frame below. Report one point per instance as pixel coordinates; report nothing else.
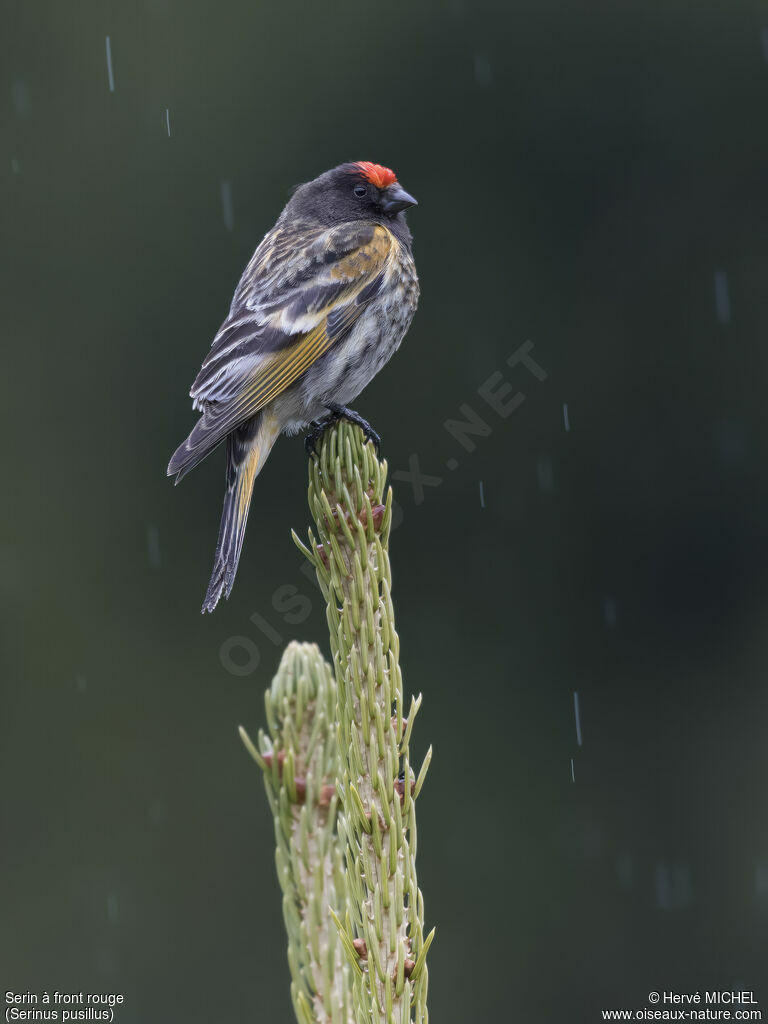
(339, 412)
(315, 432)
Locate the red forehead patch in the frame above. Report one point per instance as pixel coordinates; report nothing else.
(380, 176)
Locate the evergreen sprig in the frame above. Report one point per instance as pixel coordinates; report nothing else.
(337, 767)
(299, 759)
(382, 932)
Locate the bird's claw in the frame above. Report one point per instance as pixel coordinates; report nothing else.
(313, 436)
(339, 412)
(342, 412)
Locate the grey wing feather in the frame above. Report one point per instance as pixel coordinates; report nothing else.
(298, 285)
(286, 280)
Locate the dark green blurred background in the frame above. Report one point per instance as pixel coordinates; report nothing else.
(591, 177)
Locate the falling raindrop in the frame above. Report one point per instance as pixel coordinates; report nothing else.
(153, 546)
(625, 871)
(674, 887)
(112, 909)
(157, 812)
(722, 297)
(663, 883)
(683, 886)
(20, 96)
(566, 421)
(545, 473)
(110, 73)
(761, 881)
(168, 121)
(226, 205)
(483, 70)
(482, 496)
(731, 441)
(577, 716)
(573, 771)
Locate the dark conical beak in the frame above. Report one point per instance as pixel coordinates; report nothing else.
(395, 198)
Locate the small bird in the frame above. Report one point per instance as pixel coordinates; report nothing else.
(323, 304)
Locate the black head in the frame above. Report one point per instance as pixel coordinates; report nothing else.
(354, 191)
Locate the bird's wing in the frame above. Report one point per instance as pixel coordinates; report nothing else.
(302, 291)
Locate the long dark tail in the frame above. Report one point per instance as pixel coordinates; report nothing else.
(247, 450)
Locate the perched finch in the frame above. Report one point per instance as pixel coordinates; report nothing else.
(324, 302)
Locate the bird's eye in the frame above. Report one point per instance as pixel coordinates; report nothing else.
(360, 191)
